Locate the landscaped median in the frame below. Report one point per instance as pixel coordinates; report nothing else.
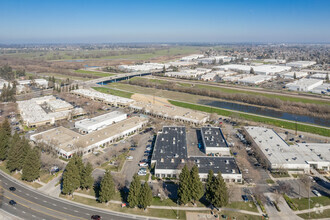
(114, 92)
(255, 118)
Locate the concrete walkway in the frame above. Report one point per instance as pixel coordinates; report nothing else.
(319, 209)
(50, 188)
(178, 208)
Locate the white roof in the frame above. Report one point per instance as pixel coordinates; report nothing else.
(99, 120)
(255, 79)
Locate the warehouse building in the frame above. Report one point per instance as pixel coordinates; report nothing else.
(170, 155)
(279, 155)
(301, 64)
(261, 69)
(304, 85)
(255, 79)
(192, 57)
(102, 97)
(171, 112)
(92, 124)
(322, 89)
(292, 75)
(67, 142)
(322, 76)
(214, 142)
(145, 67)
(46, 111)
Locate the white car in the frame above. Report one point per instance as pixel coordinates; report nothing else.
(142, 173)
(143, 164)
(129, 158)
(316, 192)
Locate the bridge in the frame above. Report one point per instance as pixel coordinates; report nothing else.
(117, 77)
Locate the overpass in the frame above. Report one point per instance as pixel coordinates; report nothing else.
(117, 77)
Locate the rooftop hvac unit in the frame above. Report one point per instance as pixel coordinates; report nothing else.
(227, 161)
(176, 155)
(162, 160)
(233, 171)
(172, 160)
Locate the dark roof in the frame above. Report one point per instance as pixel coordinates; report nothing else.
(170, 148)
(213, 137)
(225, 165)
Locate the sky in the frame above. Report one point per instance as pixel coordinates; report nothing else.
(107, 21)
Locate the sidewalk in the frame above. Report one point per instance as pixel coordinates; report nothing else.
(178, 208)
(50, 187)
(312, 210)
(7, 216)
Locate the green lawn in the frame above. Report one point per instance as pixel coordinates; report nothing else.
(120, 160)
(270, 121)
(302, 203)
(249, 206)
(95, 73)
(316, 215)
(279, 175)
(114, 92)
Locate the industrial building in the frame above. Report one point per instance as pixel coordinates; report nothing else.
(322, 76)
(145, 67)
(192, 57)
(279, 61)
(186, 75)
(304, 85)
(89, 125)
(280, 155)
(322, 89)
(214, 142)
(171, 112)
(42, 83)
(255, 79)
(170, 155)
(212, 76)
(102, 97)
(292, 75)
(67, 142)
(301, 64)
(261, 69)
(46, 110)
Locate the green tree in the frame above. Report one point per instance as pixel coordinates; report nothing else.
(208, 185)
(87, 180)
(71, 178)
(327, 78)
(145, 196)
(220, 193)
(5, 135)
(164, 69)
(107, 187)
(18, 150)
(294, 75)
(184, 190)
(77, 160)
(251, 71)
(134, 192)
(32, 165)
(196, 186)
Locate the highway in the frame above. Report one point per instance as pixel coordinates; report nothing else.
(32, 204)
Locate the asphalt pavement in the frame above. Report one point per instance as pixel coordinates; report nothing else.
(32, 204)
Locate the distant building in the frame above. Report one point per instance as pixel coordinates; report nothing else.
(170, 155)
(255, 80)
(301, 64)
(291, 75)
(192, 57)
(322, 76)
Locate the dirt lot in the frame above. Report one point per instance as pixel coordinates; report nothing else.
(150, 99)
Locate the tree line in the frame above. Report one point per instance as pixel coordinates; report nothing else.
(18, 154)
(191, 188)
(287, 106)
(8, 93)
(7, 73)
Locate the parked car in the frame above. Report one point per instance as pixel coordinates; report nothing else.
(245, 198)
(129, 158)
(317, 193)
(132, 149)
(143, 164)
(142, 173)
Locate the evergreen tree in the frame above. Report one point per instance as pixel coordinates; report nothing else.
(71, 178)
(77, 160)
(107, 188)
(294, 75)
(164, 69)
(32, 165)
(220, 193)
(134, 192)
(87, 180)
(327, 78)
(17, 153)
(5, 135)
(77, 87)
(184, 191)
(145, 196)
(251, 71)
(208, 185)
(196, 186)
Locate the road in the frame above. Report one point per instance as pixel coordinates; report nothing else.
(32, 204)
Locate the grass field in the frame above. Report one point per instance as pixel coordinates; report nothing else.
(249, 206)
(315, 202)
(270, 121)
(316, 215)
(113, 92)
(95, 73)
(227, 90)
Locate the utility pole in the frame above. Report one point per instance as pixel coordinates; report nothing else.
(309, 198)
(177, 208)
(296, 126)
